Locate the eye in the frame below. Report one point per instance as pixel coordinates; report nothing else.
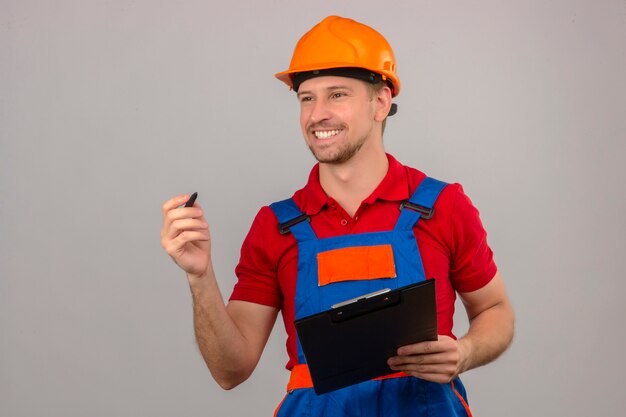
(304, 99)
(338, 94)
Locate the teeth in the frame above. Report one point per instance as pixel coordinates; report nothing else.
(325, 134)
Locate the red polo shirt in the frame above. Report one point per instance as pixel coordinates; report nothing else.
(453, 244)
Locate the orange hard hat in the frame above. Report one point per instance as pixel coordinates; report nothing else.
(337, 42)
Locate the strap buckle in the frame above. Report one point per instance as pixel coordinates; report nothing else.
(283, 228)
(426, 213)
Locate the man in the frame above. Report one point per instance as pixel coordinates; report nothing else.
(344, 75)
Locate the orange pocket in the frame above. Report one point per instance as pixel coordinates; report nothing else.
(355, 263)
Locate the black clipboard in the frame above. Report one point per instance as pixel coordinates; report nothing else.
(351, 342)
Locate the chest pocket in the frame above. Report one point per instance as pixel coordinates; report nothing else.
(355, 263)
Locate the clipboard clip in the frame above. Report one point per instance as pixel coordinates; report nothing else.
(364, 304)
(362, 297)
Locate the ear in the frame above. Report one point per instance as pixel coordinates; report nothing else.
(383, 103)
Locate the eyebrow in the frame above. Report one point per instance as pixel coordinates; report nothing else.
(329, 88)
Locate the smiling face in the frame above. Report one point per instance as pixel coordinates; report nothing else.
(338, 117)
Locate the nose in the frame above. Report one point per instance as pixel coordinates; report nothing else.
(319, 111)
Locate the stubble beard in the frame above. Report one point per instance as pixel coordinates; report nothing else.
(343, 154)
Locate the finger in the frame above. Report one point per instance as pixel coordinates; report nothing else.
(431, 359)
(174, 214)
(422, 348)
(183, 225)
(169, 206)
(185, 213)
(174, 246)
(443, 344)
(174, 202)
(440, 368)
(195, 212)
(176, 227)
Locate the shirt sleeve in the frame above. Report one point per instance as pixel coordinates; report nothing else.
(471, 264)
(256, 271)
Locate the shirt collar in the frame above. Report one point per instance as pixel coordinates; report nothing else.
(393, 187)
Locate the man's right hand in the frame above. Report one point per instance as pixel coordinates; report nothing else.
(185, 235)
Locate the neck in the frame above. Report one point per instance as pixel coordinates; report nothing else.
(353, 181)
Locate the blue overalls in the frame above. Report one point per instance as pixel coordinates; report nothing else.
(400, 396)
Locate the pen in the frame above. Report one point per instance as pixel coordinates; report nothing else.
(191, 200)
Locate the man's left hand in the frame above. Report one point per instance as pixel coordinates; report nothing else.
(439, 361)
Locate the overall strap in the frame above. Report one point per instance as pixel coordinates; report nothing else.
(421, 204)
(292, 219)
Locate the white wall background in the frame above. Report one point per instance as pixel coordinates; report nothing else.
(108, 108)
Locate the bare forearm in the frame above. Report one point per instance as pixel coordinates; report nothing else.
(231, 338)
(221, 343)
(489, 335)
